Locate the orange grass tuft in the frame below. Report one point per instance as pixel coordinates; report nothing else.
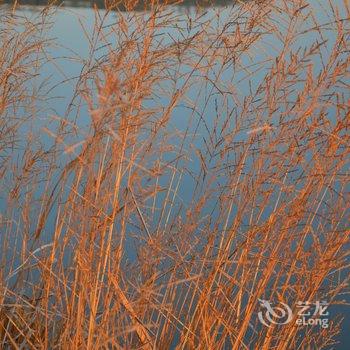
(139, 232)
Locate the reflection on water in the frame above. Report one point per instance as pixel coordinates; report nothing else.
(139, 6)
(70, 37)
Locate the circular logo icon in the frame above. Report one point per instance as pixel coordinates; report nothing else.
(274, 314)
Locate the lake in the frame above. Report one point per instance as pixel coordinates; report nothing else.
(229, 144)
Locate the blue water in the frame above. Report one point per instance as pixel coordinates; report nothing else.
(70, 52)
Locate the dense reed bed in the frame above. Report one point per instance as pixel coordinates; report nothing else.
(213, 172)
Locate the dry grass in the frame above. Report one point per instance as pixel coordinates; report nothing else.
(214, 173)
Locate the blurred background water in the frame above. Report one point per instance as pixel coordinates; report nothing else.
(72, 23)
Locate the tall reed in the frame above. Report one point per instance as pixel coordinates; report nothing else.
(213, 173)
